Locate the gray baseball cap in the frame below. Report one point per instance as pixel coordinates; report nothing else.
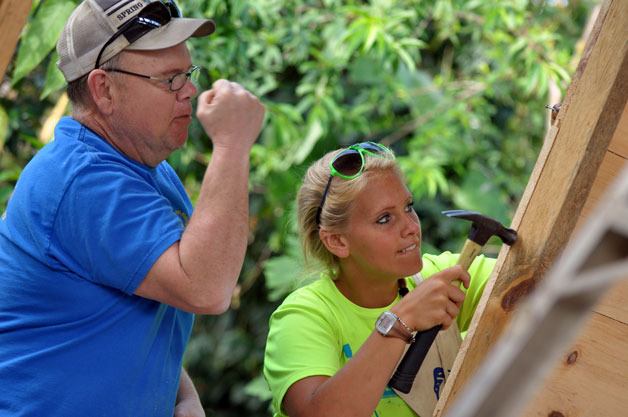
(94, 23)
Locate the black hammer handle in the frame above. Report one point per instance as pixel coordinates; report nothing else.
(403, 378)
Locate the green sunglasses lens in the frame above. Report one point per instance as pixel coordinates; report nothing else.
(348, 163)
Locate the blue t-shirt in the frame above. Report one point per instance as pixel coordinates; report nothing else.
(81, 230)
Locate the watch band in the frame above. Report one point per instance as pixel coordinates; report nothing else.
(387, 325)
(408, 329)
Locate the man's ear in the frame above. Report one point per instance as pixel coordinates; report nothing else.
(99, 86)
(336, 243)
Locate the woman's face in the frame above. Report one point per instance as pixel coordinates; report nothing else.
(384, 232)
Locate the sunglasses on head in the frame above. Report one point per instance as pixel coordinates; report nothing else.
(152, 16)
(349, 164)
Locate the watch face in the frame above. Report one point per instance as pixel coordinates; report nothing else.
(386, 322)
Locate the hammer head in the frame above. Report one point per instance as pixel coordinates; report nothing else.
(482, 227)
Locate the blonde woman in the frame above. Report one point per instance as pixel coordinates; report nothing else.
(334, 344)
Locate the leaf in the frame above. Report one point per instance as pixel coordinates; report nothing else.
(288, 272)
(517, 47)
(305, 147)
(54, 77)
(10, 173)
(365, 70)
(4, 127)
(544, 75)
(405, 57)
(560, 72)
(258, 388)
(532, 81)
(417, 43)
(372, 36)
(40, 36)
(479, 193)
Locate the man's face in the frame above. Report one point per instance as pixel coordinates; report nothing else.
(146, 114)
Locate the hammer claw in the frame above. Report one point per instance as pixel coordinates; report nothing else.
(483, 227)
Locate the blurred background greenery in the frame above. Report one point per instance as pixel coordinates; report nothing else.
(456, 87)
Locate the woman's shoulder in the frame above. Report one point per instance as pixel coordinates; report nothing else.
(312, 308)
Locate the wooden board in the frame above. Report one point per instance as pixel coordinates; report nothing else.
(13, 15)
(611, 165)
(590, 380)
(614, 305)
(559, 186)
(619, 144)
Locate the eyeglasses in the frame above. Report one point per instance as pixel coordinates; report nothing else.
(349, 164)
(152, 16)
(175, 83)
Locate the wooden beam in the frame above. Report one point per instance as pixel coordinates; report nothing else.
(559, 185)
(611, 165)
(13, 16)
(591, 377)
(619, 144)
(614, 305)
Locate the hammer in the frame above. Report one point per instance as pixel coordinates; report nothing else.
(482, 228)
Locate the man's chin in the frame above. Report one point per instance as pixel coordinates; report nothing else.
(180, 137)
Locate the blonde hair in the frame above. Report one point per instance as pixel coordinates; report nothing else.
(340, 196)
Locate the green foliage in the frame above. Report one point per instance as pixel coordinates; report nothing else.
(455, 87)
(40, 36)
(4, 126)
(288, 272)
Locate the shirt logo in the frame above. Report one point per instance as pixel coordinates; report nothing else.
(439, 380)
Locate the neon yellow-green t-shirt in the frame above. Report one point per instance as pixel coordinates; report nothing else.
(316, 330)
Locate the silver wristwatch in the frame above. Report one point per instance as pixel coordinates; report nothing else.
(387, 325)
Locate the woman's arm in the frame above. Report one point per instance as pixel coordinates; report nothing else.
(340, 395)
(356, 389)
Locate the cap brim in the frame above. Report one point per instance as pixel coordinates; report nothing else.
(178, 30)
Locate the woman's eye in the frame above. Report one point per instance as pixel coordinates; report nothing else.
(410, 207)
(383, 219)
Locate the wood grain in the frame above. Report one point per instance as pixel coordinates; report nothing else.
(590, 380)
(13, 15)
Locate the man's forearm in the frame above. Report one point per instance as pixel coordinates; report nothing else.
(218, 230)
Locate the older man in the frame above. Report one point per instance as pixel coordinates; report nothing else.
(102, 262)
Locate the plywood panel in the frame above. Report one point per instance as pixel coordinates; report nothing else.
(13, 15)
(590, 380)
